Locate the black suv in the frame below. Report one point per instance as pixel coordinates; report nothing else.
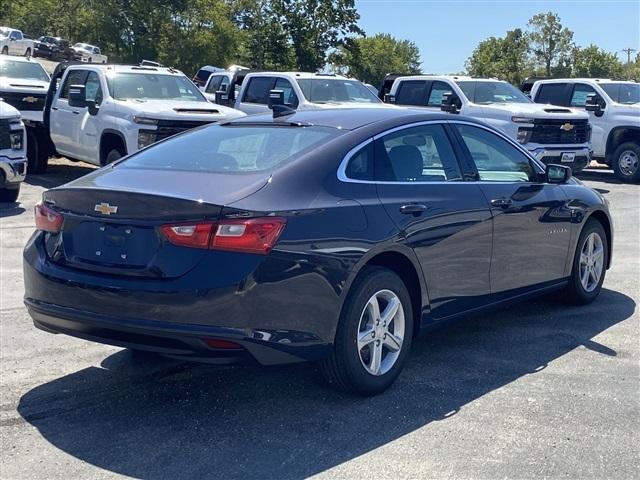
(53, 48)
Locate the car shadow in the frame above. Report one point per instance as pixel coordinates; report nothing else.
(604, 175)
(11, 209)
(59, 173)
(147, 417)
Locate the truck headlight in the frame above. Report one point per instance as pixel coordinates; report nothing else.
(16, 140)
(524, 135)
(146, 137)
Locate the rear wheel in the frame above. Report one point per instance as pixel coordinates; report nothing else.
(626, 162)
(589, 264)
(373, 336)
(9, 195)
(5, 51)
(27, 53)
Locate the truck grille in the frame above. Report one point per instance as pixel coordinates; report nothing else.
(166, 128)
(552, 131)
(5, 140)
(24, 101)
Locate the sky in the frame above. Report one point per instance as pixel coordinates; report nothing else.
(446, 32)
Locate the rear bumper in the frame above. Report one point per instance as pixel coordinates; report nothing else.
(12, 171)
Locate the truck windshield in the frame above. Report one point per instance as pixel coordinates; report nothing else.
(326, 90)
(485, 93)
(15, 69)
(626, 93)
(232, 148)
(146, 86)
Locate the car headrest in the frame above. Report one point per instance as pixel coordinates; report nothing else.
(406, 161)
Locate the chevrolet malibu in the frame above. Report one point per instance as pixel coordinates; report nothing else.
(327, 236)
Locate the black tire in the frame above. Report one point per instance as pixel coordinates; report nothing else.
(27, 53)
(576, 293)
(626, 152)
(345, 369)
(36, 154)
(9, 195)
(113, 155)
(5, 51)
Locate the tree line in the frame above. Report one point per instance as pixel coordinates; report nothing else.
(306, 35)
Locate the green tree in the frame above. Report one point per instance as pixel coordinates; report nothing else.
(595, 62)
(550, 42)
(315, 26)
(503, 58)
(370, 58)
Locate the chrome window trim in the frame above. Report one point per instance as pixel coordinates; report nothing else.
(342, 169)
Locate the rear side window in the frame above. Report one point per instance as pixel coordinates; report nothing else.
(203, 75)
(233, 148)
(360, 166)
(411, 92)
(551, 93)
(416, 154)
(258, 90)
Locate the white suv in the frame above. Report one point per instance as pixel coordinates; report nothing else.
(303, 91)
(103, 112)
(614, 114)
(551, 134)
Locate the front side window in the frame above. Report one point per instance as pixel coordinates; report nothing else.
(438, 89)
(233, 148)
(74, 77)
(93, 90)
(496, 159)
(258, 90)
(626, 93)
(552, 94)
(327, 90)
(416, 154)
(411, 92)
(145, 86)
(485, 93)
(580, 93)
(290, 97)
(214, 83)
(16, 69)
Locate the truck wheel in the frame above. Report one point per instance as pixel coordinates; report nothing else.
(626, 162)
(9, 195)
(113, 155)
(27, 53)
(38, 159)
(5, 51)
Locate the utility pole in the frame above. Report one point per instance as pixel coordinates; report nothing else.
(628, 51)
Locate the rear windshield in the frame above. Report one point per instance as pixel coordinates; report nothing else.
(325, 90)
(232, 148)
(627, 93)
(146, 86)
(14, 69)
(485, 93)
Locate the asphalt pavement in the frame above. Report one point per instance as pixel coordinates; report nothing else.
(540, 390)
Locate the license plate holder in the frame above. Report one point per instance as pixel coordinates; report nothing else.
(568, 157)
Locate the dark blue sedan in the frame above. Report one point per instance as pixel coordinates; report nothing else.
(332, 236)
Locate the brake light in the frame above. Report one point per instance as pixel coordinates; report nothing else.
(252, 235)
(46, 219)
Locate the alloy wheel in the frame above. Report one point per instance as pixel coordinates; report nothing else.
(381, 332)
(591, 262)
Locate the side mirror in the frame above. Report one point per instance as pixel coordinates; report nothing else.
(558, 173)
(222, 98)
(450, 103)
(595, 104)
(388, 98)
(77, 96)
(276, 97)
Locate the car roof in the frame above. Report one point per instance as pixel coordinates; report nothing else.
(573, 80)
(350, 118)
(453, 78)
(115, 68)
(326, 76)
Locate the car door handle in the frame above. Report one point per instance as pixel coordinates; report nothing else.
(54, 108)
(75, 112)
(501, 202)
(412, 209)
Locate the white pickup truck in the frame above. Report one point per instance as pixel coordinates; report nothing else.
(13, 154)
(14, 42)
(614, 113)
(83, 52)
(100, 113)
(551, 134)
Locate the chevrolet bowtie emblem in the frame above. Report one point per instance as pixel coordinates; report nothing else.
(567, 127)
(30, 99)
(105, 208)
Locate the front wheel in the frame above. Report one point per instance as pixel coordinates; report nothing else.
(113, 155)
(626, 162)
(27, 53)
(5, 51)
(589, 264)
(9, 195)
(373, 336)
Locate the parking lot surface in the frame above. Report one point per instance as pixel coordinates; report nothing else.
(540, 390)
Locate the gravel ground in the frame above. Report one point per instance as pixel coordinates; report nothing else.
(540, 390)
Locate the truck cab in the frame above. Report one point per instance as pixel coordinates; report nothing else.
(304, 91)
(13, 153)
(83, 52)
(223, 86)
(551, 134)
(99, 113)
(614, 113)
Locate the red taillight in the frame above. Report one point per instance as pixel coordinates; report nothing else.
(46, 219)
(222, 344)
(252, 235)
